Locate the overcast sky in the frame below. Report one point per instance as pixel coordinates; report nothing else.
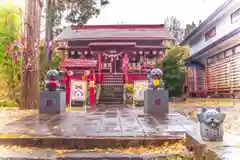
(149, 11)
(154, 11)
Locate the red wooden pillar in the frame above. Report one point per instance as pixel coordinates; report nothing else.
(99, 79)
(68, 86)
(195, 78)
(145, 61)
(126, 67)
(91, 89)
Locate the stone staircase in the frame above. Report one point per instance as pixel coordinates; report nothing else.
(113, 79)
(111, 94)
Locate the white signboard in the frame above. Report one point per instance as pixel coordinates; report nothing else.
(138, 89)
(78, 90)
(78, 93)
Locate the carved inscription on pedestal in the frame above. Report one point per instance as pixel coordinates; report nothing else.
(48, 102)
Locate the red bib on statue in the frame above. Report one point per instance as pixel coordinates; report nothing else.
(52, 84)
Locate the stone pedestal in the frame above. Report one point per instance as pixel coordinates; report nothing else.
(52, 102)
(156, 102)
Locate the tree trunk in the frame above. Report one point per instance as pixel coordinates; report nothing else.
(30, 62)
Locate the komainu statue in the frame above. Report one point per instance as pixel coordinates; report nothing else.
(211, 124)
(155, 79)
(52, 81)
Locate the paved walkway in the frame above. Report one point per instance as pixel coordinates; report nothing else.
(114, 122)
(119, 123)
(102, 122)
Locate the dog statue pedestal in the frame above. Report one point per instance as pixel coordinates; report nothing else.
(156, 102)
(52, 102)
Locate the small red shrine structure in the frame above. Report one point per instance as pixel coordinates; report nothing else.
(115, 54)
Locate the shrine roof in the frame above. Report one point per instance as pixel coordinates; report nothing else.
(112, 44)
(78, 63)
(90, 32)
(147, 47)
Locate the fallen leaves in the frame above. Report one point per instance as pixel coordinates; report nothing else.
(177, 148)
(165, 149)
(62, 151)
(16, 148)
(12, 135)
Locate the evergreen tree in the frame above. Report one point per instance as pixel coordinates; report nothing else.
(174, 70)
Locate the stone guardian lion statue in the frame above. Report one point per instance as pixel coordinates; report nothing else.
(155, 79)
(211, 124)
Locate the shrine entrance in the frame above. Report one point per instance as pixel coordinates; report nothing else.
(117, 66)
(113, 62)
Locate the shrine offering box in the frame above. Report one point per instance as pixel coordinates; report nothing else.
(156, 102)
(52, 102)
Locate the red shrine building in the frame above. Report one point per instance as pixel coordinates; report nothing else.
(115, 54)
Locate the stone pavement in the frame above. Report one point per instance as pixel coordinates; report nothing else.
(103, 123)
(112, 121)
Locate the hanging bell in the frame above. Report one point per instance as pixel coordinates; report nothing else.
(112, 59)
(117, 58)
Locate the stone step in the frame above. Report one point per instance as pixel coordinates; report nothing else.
(110, 100)
(110, 87)
(111, 94)
(79, 155)
(112, 91)
(113, 83)
(67, 154)
(113, 75)
(86, 142)
(112, 78)
(107, 102)
(116, 84)
(111, 97)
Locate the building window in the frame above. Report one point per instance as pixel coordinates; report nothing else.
(221, 55)
(215, 58)
(228, 52)
(235, 16)
(211, 33)
(237, 49)
(209, 60)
